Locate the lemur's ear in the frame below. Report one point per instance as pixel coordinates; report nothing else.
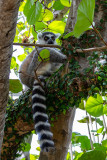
(39, 36)
(57, 35)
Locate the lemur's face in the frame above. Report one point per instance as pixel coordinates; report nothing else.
(47, 38)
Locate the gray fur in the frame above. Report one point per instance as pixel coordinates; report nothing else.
(30, 64)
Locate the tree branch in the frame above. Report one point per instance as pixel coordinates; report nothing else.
(91, 49)
(57, 46)
(38, 45)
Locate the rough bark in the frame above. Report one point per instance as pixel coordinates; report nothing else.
(72, 16)
(58, 15)
(101, 15)
(8, 18)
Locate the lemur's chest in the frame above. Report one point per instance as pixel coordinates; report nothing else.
(47, 67)
(44, 67)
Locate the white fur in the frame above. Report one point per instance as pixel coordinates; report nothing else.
(39, 104)
(42, 123)
(38, 96)
(41, 114)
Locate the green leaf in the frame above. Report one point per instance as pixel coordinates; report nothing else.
(21, 8)
(15, 86)
(32, 12)
(85, 143)
(86, 119)
(27, 7)
(34, 33)
(50, 4)
(64, 111)
(105, 109)
(38, 148)
(23, 159)
(33, 132)
(13, 63)
(104, 143)
(66, 3)
(34, 157)
(21, 26)
(68, 35)
(75, 137)
(78, 155)
(85, 16)
(81, 105)
(44, 55)
(98, 146)
(94, 106)
(93, 155)
(40, 26)
(47, 15)
(21, 57)
(32, 1)
(57, 5)
(57, 26)
(25, 147)
(68, 156)
(99, 121)
(100, 130)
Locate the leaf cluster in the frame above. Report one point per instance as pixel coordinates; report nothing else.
(99, 151)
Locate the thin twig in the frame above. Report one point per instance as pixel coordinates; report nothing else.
(98, 33)
(105, 127)
(91, 142)
(38, 66)
(104, 123)
(96, 130)
(91, 49)
(34, 28)
(90, 120)
(38, 53)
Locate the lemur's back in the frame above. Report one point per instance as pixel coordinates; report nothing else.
(23, 75)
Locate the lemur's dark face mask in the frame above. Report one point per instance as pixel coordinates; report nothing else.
(49, 39)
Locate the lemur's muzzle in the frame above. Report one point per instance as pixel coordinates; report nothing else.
(50, 42)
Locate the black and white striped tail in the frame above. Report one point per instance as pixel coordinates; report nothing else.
(40, 117)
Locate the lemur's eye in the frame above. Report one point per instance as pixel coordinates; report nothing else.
(46, 38)
(53, 38)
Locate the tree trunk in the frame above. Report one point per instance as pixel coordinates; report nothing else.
(62, 132)
(8, 19)
(72, 16)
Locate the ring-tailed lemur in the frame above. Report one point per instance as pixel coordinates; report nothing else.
(45, 69)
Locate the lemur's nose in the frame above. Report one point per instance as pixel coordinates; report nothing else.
(50, 42)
